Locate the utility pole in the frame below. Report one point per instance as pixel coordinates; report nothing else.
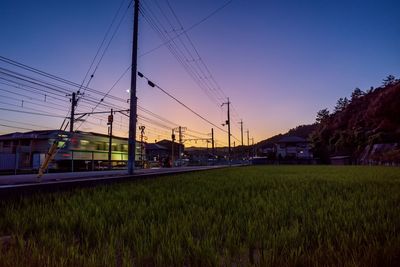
(248, 144)
(141, 128)
(228, 122)
(110, 122)
(133, 98)
(241, 134)
(180, 143)
(212, 141)
(252, 146)
(241, 130)
(72, 118)
(172, 148)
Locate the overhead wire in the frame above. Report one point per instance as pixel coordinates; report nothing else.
(188, 29)
(56, 78)
(32, 113)
(101, 45)
(179, 34)
(29, 102)
(180, 102)
(217, 90)
(16, 127)
(24, 123)
(175, 50)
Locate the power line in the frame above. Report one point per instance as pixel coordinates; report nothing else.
(24, 123)
(189, 28)
(16, 127)
(32, 113)
(33, 89)
(54, 77)
(222, 95)
(101, 45)
(169, 40)
(25, 101)
(180, 102)
(199, 75)
(177, 52)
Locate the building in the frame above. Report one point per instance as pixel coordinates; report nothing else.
(172, 147)
(293, 147)
(156, 152)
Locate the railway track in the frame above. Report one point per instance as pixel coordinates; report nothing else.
(16, 185)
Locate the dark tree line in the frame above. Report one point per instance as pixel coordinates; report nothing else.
(370, 117)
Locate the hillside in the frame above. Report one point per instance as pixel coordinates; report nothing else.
(356, 125)
(303, 131)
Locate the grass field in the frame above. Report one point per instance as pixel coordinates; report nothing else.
(263, 216)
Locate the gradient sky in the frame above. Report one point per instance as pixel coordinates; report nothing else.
(278, 61)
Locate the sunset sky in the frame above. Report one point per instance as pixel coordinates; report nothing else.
(279, 62)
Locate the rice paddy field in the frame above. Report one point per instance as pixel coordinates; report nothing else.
(243, 216)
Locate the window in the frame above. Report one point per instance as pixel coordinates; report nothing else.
(25, 142)
(7, 144)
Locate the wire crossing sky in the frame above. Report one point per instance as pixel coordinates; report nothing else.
(279, 62)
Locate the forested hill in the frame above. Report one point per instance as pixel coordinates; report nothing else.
(303, 131)
(367, 118)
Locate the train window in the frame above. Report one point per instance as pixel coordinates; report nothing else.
(84, 142)
(100, 146)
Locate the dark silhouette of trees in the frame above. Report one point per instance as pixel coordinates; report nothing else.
(389, 80)
(357, 93)
(322, 115)
(368, 118)
(341, 104)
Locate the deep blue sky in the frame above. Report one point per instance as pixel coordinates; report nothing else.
(278, 61)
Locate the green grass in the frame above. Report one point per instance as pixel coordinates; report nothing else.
(263, 216)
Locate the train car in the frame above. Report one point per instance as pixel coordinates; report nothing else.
(77, 151)
(89, 151)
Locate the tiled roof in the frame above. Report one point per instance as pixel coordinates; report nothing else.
(292, 139)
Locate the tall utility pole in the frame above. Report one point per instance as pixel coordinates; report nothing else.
(141, 128)
(241, 134)
(133, 99)
(180, 142)
(212, 141)
(72, 118)
(241, 130)
(252, 146)
(110, 122)
(172, 148)
(248, 144)
(228, 122)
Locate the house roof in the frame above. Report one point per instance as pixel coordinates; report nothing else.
(166, 142)
(292, 139)
(155, 147)
(40, 134)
